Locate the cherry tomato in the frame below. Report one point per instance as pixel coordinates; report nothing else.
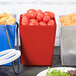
(46, 18)
(51, 22)
(40, 16)
(46, 13)
(25, 21)
(31, 10)
(39, 11)
(25, 14)
(31, 13)
(33, 22)
(50, 14)
(42, 23)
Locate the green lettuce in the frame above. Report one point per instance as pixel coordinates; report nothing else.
(56, 72)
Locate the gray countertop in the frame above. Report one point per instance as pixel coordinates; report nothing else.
(32, 70)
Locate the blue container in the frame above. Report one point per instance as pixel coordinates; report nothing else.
(3, 38)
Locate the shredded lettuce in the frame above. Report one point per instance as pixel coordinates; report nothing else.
(56, 72)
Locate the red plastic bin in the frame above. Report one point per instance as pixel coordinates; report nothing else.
(37, 44)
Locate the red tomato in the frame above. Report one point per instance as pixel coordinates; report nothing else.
(31, 10)
(50, 14)
(46, 13)
(51, 22)
(46, 18)
(42, 23)
(25, 14)
(33, 22)
(39, 11)
(31, 13)
(25, 21)
(40, 16)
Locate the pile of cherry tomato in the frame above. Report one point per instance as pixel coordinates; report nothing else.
(38, 17)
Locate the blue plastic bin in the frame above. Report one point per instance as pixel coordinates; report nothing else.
(3, 38)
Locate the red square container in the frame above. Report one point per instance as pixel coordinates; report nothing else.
(37, 44)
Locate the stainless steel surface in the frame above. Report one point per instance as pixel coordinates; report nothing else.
(68, 45)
